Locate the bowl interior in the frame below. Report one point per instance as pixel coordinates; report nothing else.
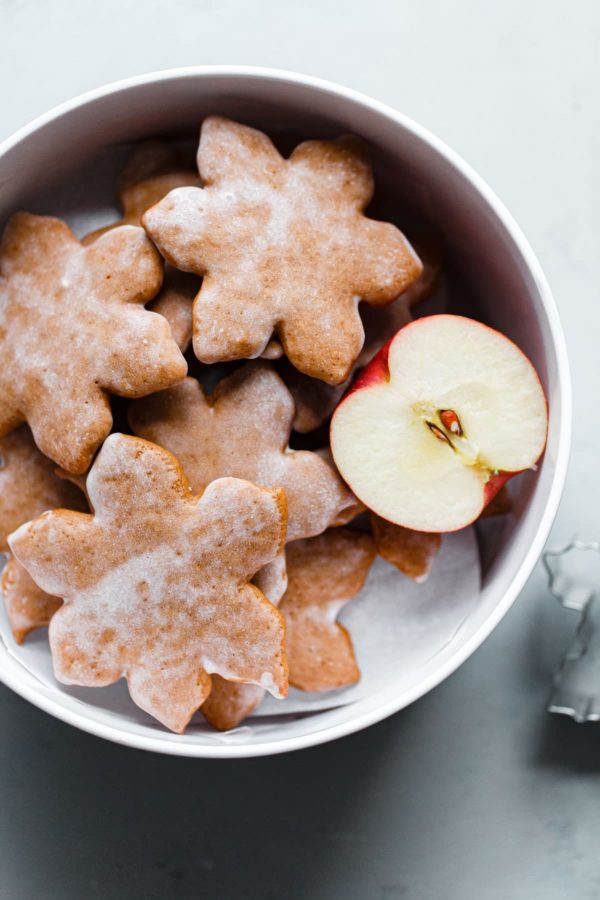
(68, 165)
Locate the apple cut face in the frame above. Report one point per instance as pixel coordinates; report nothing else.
(438, 422)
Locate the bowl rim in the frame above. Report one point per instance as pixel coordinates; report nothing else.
(333, 732)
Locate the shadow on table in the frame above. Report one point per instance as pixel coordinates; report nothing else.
(104, 821)
(566, 745)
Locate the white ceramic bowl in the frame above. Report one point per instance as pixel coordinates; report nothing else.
(498, 277)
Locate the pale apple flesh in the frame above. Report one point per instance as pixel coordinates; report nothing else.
(445, 414)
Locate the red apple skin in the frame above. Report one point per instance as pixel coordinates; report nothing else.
(378, 370)
(495, 483)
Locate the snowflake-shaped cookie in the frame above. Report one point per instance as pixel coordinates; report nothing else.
(284, 247)
(73, 329)
(156, 582)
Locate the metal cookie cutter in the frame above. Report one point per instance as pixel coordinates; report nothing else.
(576, 690)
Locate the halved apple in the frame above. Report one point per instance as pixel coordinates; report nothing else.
(437, 423)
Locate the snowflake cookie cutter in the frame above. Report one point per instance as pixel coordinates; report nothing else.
(576, 686)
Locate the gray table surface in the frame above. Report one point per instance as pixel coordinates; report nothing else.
(474, 791)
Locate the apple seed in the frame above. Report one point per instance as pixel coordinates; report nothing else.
(439, 434)
(451, 421)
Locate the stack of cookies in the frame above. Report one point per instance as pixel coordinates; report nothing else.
(190, 550)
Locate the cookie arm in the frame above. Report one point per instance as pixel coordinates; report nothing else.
(257, 396)
(229, 151)
(58, 550)
(128, 467)
(315, 493)
(321, 653)
(340, 166)
(180, 227)
(29, 241)
(230, 319)
(170, 695)
(324, 352)
(247, 644)
(239, 514)
(69, 427)
(152, 359)
(125, 265)
(384, 262)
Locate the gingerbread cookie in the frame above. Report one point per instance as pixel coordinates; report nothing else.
(152, 171)
(412, 552)
(324, 573)
(284, 247)
(156, 582)
(315, 401)
(28, 487)
(73, 328)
